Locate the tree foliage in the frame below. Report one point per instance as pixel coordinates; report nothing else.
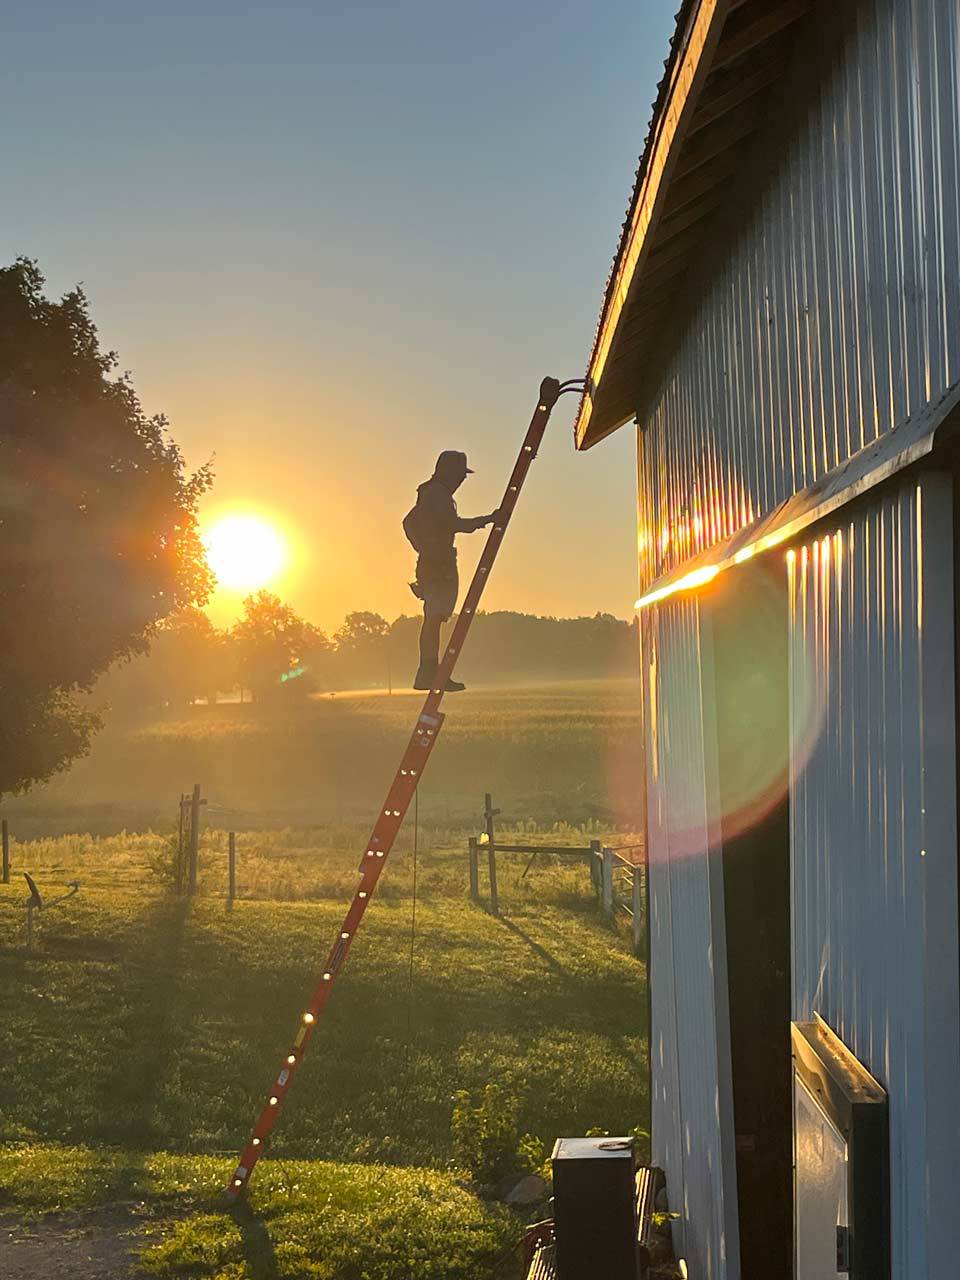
(273, 647)
(190, 659)
(361, 649)
(98, 518)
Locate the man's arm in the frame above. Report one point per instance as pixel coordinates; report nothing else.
(441, 513)
(470, 524)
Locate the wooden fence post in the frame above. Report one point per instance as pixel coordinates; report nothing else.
(474, 856)
(489, 813)
(638, 921)
(231, 869)
(596, 857)
(492, 862)
(179, 865)
(5, 840)
(606, 896)
(194, 839)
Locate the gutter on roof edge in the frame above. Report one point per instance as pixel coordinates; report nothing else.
(892, 453)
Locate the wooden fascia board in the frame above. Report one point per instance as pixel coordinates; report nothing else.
(689, 76)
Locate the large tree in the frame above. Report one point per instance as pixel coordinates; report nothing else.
(275, 651)
(362, 653)
(187, 660)
(98, 524)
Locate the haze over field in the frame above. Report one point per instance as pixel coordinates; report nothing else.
(565, 752)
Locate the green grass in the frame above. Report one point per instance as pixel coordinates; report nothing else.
(148, 1023)
(304, 1221)
(138, 1038)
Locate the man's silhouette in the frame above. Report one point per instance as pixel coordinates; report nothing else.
(431, 526)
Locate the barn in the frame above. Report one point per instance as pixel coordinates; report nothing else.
(781, 329)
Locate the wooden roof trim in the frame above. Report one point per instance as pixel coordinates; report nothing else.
(689, 75)
(715, 106)
(720, 137)
(759, 32)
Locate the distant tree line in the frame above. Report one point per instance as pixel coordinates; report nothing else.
(272, 656)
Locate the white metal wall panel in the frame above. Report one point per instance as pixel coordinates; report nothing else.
(666, 1141)
(873, 836)
(693, 1138)
(834, 318)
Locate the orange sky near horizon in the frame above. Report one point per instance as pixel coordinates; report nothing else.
(347, 550)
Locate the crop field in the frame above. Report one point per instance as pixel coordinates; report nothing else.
(138, 1036)
(562, 752)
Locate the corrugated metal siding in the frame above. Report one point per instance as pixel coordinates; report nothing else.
(873, 836)
(693, 1138)
(666, 1143)
(834, 318)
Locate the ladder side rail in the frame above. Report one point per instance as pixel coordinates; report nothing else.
(549, 392)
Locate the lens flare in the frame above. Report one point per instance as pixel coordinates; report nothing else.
(734, 711)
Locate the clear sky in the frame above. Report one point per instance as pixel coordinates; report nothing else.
(329, 240)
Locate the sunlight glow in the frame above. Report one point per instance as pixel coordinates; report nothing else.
(245, 552)
(696, 578)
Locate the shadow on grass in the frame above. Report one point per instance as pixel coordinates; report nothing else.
(153, 1037)
(257, 1246)
(540, 951)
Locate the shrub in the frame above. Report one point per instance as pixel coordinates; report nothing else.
(484, 1132)
(162, 861)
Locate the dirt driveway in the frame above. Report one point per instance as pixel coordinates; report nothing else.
(99, 1245)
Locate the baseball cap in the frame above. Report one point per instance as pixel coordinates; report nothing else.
(452, 459)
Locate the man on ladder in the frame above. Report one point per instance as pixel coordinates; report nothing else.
(442, 518)
(430, 527)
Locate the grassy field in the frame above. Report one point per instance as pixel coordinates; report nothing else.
(142, 1024)
(564, 752)
(305, 1219)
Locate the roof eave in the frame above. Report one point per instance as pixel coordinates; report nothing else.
(688, 74)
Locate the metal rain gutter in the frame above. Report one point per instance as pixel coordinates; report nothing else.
(898, 449)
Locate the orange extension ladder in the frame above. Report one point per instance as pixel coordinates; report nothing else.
(399, 796)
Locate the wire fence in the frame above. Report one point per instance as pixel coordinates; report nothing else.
(194, 853)
(618, 872)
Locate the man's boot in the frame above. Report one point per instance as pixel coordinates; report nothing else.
(426, 678)
(426, 675)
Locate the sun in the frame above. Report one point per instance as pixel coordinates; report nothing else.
(244, 552)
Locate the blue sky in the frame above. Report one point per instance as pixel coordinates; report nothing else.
(330, 240)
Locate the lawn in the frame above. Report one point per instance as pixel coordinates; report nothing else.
(303, 1221)
(144, 1024)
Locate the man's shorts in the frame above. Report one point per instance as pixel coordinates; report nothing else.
(437, 585)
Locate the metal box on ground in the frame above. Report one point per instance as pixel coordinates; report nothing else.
(594, 1199)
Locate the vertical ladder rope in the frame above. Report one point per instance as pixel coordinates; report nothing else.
(399, 796)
